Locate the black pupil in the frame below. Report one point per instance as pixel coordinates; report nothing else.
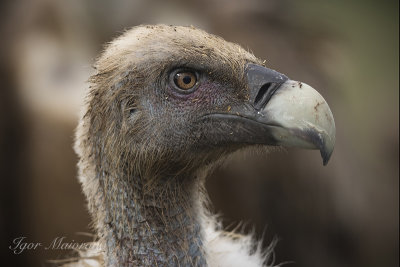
(187, 79)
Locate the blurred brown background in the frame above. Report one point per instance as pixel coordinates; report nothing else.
(345, 214)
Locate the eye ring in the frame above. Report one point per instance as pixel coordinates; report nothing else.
(184, 80)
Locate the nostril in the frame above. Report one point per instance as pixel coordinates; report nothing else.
(264, 95)
(263, 90)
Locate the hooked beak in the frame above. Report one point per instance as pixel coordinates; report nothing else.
(279, 112)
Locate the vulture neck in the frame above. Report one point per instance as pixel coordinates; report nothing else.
(154, 223)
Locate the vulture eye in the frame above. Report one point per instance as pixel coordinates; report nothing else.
(185, 80)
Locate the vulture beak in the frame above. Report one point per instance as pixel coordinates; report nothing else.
(279, 112)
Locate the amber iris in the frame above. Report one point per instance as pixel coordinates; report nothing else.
(185, 80)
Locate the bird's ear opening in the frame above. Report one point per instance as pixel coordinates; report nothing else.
(132, 111)
(129, 107)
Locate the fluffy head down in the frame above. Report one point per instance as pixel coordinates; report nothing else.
(135, 116)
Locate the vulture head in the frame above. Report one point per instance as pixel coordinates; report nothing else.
(165, 105)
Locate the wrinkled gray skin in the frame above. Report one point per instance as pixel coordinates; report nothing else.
(144, 146)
